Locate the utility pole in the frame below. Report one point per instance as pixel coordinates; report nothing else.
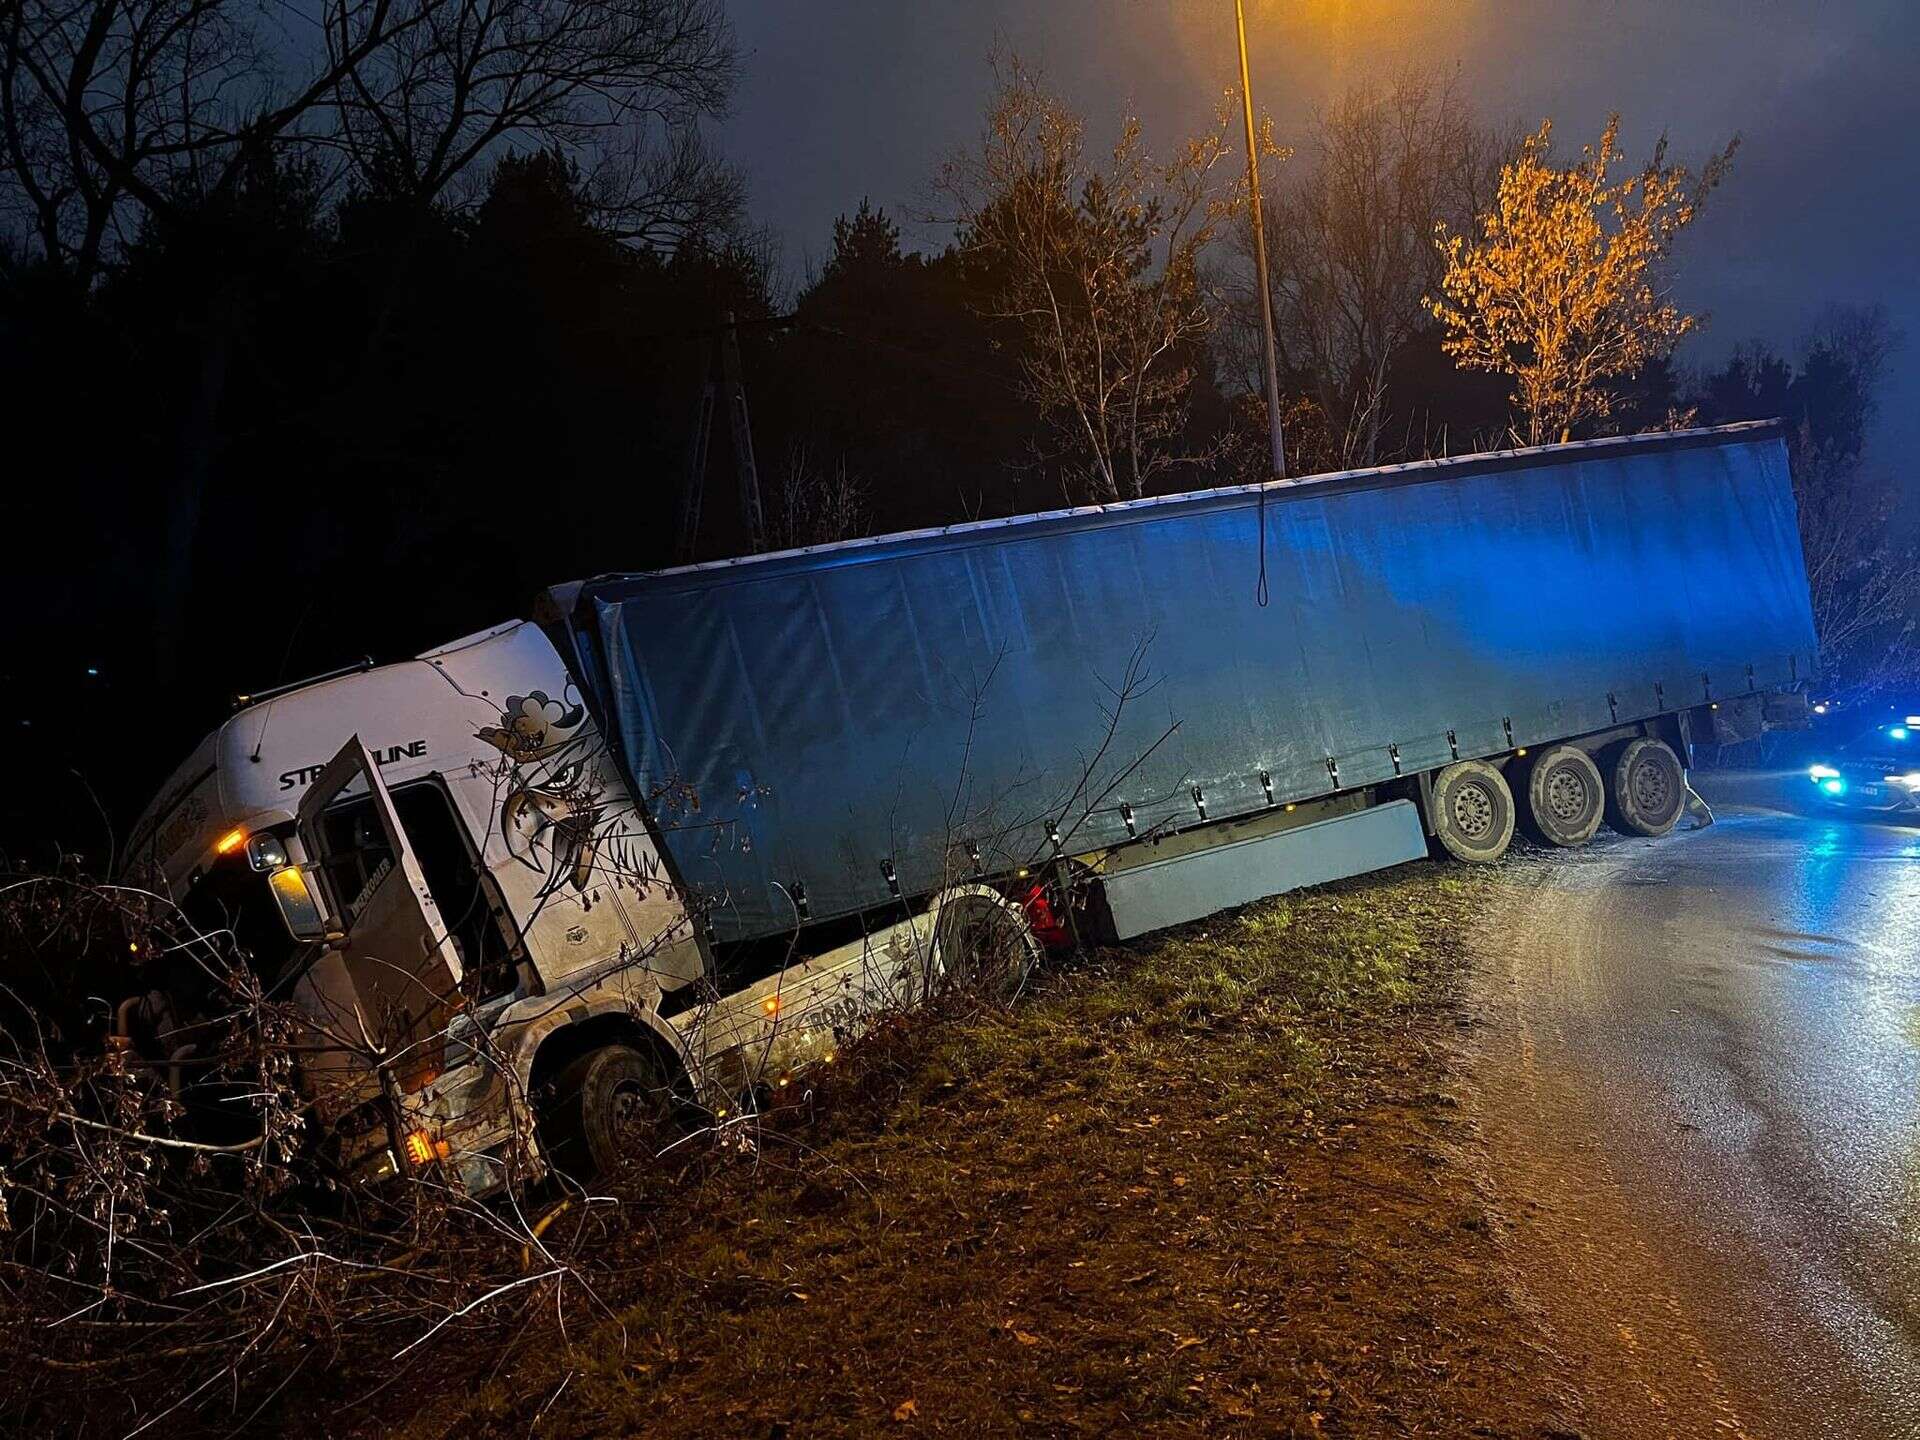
(1260, 252)
(750, 510)
(694, 481)
(693, 485)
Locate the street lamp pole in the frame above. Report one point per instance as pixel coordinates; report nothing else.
(1260, 252)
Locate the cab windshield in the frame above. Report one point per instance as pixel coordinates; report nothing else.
(233, 897)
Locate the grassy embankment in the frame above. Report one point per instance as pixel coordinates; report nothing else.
(1210, 1184)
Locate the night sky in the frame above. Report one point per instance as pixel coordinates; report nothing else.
(844, 98)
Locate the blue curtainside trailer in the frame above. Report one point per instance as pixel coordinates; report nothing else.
(1205, 697)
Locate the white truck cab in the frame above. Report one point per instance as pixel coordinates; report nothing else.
(439, 863)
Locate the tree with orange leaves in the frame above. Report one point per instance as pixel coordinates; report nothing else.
(1564, 289)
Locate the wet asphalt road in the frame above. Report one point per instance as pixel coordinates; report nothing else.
(1700, 1059)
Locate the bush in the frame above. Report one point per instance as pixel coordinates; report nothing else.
(171, 1244)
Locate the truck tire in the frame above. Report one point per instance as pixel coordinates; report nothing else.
(1472, 811)
(983, 943)
(608, 1108)
(1566, 798)
(1646, 787)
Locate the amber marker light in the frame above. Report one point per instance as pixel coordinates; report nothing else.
(230, 842)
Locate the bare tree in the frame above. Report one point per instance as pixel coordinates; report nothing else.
(1097, 267)
(1862, 576)
(1350, 243)
(815, 506)
(1864, 584)
(114, 111)
(621, 82)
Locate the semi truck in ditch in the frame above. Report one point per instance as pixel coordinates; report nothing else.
(679, 834)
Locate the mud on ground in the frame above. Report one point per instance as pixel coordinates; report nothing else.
(1213, 1184)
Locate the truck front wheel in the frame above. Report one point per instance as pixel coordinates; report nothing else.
(1565, 795)
(1646, 787)
(609, 1108)
(1472, 811)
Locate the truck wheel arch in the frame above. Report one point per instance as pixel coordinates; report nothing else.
(569, 1039)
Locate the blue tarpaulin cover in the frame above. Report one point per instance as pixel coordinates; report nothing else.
(897, 704)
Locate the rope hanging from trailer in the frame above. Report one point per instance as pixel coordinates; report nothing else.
(1260, 585)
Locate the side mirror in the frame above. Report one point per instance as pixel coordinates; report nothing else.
(298, 907)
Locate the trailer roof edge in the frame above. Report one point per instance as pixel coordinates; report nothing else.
(1477, 463)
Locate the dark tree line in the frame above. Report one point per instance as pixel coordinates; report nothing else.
(312, 362)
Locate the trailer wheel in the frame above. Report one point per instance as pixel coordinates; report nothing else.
(608, 1109)
(1472, 811)
(1646, 789)
(1565, 796)
(983, 942)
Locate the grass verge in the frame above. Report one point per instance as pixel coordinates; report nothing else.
(1202, 1185)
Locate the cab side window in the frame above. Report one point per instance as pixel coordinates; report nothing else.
(356, 853)
(231, 897)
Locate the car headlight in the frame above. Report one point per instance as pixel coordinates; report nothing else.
(1823, 772)
(1911, 780)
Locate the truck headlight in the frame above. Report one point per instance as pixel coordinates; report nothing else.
(265, 852)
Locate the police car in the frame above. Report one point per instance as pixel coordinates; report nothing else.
(1877, 770)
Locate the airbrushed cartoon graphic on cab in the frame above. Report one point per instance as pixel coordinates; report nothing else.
(567, 815)
(555, 802)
